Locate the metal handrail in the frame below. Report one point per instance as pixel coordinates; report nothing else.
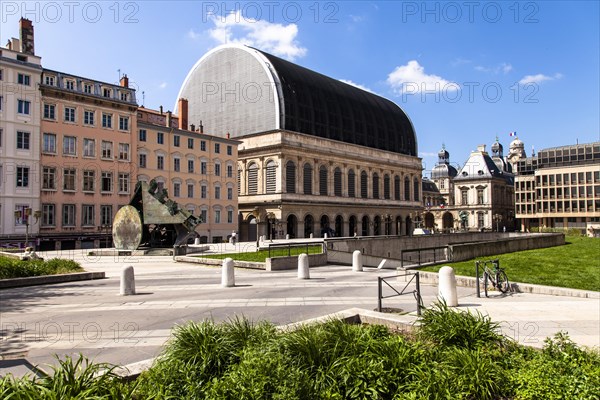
(295, 244)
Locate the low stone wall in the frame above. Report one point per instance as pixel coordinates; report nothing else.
(432, 278)
(214, 262)
(289, 263)
(469, 251)
(50, 279)
(340, 257)
(392, 247)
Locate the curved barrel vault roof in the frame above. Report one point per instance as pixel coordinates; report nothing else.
(241, 90)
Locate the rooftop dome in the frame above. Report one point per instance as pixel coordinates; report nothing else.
(443, 169)
(241, 90)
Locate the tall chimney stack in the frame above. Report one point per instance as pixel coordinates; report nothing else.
(26, 36)
(168, 119)
(201, 127)
(124, 81)
(161, 110)
(183, 114)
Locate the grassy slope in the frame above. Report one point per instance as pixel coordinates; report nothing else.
(575, 265)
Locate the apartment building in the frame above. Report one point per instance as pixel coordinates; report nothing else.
(198, 170)
(477, 196)
(560, 188)
(87, 158)
(20, 72)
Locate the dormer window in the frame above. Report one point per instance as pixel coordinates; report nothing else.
(87, 88)
(70, 85)
(106, 92)
(49, 80)
(124, 96)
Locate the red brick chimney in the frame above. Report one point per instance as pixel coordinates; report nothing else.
(26, 36)
(124, 81)
(183, 114)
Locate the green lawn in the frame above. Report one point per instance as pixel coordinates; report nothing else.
(262, 255)
(575, 265)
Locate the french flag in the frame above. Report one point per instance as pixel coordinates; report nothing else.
(513, 133)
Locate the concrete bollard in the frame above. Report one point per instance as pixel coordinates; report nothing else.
(447, 286)
(197, 241)
(127, 281)
(311, 235)
(303, 267)
(228, 273)
(357, 262)
(325, 236)
(287, 237)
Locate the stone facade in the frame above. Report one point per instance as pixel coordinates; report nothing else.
(300, 185)
(87, 158)
(20, 72)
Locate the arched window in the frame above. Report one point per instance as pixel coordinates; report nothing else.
(386, 187)
(337, 182)
(396, 187)
(307, 179)
(416, 188)
(406, 189)
(271, 170)
(252, 178)
(290, 177)
(323, 180)
(365, 226)
(375, 185)
(308, 225)
(351, 183)
(364, 185)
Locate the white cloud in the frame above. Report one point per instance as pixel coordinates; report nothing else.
(358, 85)
(412, 78)
(539, 78)
(193, 34)
(460, 61)
(504, 68)
(271, 37)
(163, 85)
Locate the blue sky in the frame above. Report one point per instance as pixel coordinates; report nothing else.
(464, 72)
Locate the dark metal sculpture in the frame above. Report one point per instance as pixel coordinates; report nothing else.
(152, 219)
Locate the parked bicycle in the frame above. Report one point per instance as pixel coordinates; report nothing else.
(492, 274)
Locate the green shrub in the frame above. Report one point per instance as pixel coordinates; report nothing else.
(13, 268)
(71, 379)
(448, 327)
(262, 374)
(560, 371)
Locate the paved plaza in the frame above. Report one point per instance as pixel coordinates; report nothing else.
(90, 317)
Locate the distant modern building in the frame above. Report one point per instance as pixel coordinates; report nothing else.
(20, 72)
(560, 188)
(198, 170)
(87, 165)
(317, 155)
(478, 196)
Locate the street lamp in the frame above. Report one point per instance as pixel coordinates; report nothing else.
(25, 214)
(271, 219)
(256, 214)
(497, 218)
